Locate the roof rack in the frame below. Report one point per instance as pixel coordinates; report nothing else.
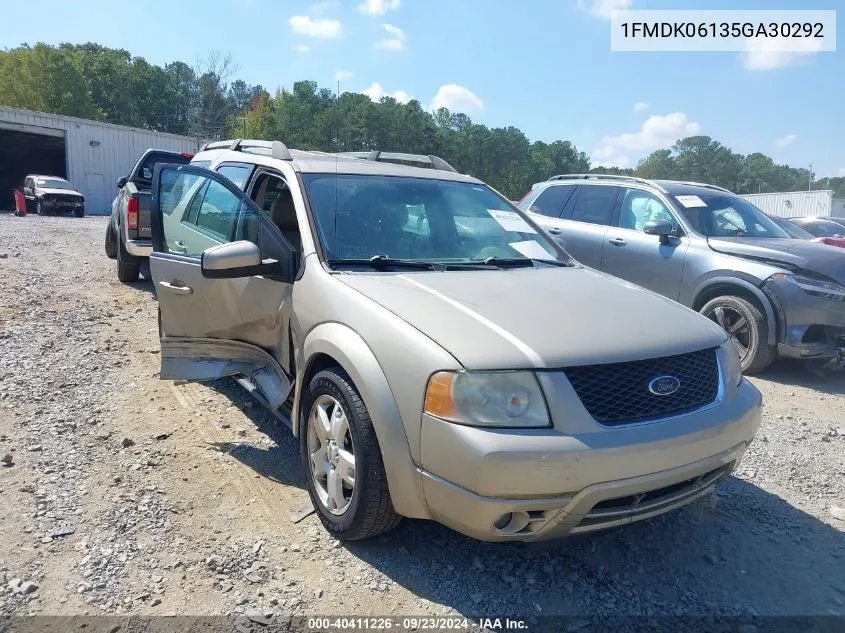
(601, 177)
(277, 148)
(389, 157)
(700, 184)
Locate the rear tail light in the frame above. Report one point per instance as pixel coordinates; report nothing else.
(132, 214)
(524, 197)
(186, 155)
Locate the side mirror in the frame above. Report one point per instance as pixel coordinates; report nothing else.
(661, 228)
(231, 260)
(121, 182)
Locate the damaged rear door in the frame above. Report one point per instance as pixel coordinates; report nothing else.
(215, 327)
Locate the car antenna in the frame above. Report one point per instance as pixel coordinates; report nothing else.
(336, 161)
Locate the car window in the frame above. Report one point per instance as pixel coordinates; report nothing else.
(359, 217)
(202, 213)
(726, 215)
(551, 200)
(238, 174)
(793, 229)
(595, 204)
(640, 207)
(824, 228)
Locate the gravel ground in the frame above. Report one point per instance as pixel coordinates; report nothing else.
(123, 494)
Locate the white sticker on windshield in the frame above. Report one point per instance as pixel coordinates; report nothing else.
(531, 250)
(691, 201)
(511, 221)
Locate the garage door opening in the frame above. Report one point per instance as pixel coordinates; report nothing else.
(23, 153)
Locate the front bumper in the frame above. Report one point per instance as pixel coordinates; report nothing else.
(811, 327)
(567, 483)
(61, 206)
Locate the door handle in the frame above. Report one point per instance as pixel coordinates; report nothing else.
(179, 290)
(617, 241)
(555, 231)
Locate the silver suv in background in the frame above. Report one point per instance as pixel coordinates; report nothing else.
(436, 354)
(710, 250)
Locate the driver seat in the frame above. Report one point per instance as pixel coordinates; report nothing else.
(283, 214)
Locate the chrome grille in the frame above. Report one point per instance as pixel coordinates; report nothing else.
(618, 393)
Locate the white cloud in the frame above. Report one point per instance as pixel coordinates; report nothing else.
(602, 9)
(376, 92)
(783, 141)
(302, 48)
(658, 131)
(378, 7)
(778, 52)
(842, 171)
(342, 75)
(323, 29)
(457, 99)
(640, 106)
(396, 41)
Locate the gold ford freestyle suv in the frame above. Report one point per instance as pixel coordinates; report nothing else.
(436, 355)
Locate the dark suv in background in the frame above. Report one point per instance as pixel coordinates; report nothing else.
(710, 250)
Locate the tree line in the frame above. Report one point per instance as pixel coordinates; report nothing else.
(203, 100)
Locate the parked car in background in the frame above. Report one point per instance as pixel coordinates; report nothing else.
(710, 250)
(480, 378)
(51, 194)
(798, 233)
(824, 230)
(128, 232)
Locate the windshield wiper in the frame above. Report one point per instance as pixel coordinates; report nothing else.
(383, 262)
(515, 262)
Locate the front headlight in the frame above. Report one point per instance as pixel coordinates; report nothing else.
(731, 365)
(491, 398)
(816, 287)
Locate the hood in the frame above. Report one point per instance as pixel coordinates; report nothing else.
(795, 254)
(538, 317)
(52, 192)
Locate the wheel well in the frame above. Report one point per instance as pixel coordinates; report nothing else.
(722, 289)
(315, 365)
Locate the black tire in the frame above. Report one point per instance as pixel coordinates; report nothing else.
(111, 246)
(128, 267)
(750, 330)
(370, 510)
(80, 213)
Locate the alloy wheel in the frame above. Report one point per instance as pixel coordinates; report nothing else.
(331, 454)
(736, 326)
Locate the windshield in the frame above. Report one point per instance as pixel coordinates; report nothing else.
(824, 228)
(54, 183)
(361, 217)
(793, 230)
(726, 215)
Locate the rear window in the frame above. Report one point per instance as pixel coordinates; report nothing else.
(145, 173)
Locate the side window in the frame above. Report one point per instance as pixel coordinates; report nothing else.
(197, 213)
(595, 204)
(218, 213)
(273, 196)
(238, 174)
(640, 207)
(550, 202)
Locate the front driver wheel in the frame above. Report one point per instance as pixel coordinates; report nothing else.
(340, 453)
(747, 328)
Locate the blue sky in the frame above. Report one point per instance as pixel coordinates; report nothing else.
(544, 66)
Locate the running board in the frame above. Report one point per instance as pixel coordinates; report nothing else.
(255, 392)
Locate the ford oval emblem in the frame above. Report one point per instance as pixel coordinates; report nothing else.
(664, 385)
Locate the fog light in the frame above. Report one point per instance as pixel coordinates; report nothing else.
(511, 523)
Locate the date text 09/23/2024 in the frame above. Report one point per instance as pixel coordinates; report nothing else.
(415, 623)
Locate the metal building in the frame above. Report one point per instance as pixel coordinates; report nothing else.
(794, 204)
(90, 154)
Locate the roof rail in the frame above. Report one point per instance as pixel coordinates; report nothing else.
(601, 177)
(277, 148)
(388, 157)
(701, 184)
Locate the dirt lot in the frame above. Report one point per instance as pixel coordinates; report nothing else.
(126, 494)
